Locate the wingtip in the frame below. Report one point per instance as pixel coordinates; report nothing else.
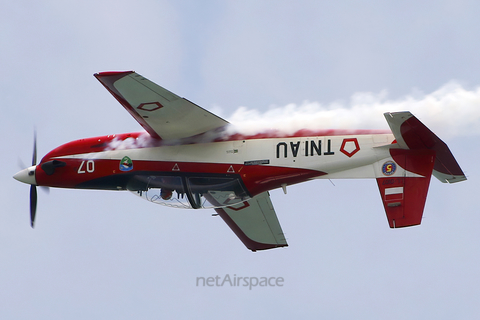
(111, 73)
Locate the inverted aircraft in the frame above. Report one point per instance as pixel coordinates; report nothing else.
(186, 158)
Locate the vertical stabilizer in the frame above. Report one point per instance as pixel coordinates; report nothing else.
(404, 196)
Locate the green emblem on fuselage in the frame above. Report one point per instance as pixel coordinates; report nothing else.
(126, 164)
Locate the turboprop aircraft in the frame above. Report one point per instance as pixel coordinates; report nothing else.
(187, 159)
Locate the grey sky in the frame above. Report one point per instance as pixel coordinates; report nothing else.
(101, 255)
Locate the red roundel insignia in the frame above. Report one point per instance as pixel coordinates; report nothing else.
(389, 168)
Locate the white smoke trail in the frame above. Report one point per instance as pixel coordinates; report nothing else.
(142, 141)
(449, 111)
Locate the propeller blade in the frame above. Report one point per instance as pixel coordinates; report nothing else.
(33, 203)
(34, 156)
(20, 164)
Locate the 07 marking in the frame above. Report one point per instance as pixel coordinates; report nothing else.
(89, 167)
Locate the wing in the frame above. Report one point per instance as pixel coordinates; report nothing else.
(255, 223)
(163, 114)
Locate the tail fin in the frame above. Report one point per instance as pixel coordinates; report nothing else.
(419, 154)
(404, 196)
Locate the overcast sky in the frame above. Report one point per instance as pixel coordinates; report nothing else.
(110, 255)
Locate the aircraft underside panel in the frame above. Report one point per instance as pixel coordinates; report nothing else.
(189, 191)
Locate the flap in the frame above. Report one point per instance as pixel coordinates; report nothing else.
(255, 223)
(163, 114)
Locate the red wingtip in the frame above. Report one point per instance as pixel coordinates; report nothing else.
(112, 73)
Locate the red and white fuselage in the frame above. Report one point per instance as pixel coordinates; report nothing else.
(261, 162)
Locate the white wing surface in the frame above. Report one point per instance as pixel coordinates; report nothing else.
(163, 114)
(255, 223)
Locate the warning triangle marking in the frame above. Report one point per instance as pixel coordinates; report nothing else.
(231, 170)
(175, 167)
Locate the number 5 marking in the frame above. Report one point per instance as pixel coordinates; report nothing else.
(90, 167)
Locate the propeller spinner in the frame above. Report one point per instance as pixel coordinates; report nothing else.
(28, 176)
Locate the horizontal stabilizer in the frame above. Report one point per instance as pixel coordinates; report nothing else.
(255, 223)
(412, 134)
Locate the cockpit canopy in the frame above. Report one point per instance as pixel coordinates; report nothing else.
(194, 192)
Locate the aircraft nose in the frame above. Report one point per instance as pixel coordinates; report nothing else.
(26, 175)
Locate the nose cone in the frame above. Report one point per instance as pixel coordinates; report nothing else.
(26, 175)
